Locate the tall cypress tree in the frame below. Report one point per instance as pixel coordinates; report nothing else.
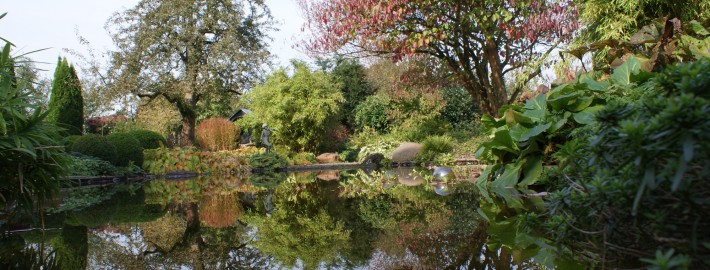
(66, 103)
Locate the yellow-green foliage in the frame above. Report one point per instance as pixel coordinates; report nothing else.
(163, 160)
(301, 109)
(303, 158)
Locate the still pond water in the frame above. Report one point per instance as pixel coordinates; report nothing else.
(397, 219)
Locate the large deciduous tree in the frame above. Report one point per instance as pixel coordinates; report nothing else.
(66, 103)
(189, 50)
(482, 41)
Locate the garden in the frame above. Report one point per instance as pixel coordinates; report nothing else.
(571, 134)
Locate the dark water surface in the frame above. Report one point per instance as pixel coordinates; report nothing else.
(398, 219)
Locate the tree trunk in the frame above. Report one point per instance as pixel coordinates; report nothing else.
(188, 130)
(497, 92)
(188, 113)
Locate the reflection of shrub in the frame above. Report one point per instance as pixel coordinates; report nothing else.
(166, 231)
(127, 148)
(95, 146)
(268, 180)
(148, 139)
(220, 210)
(433, 147)
(216, 134)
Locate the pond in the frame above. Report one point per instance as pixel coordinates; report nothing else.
(396, 219)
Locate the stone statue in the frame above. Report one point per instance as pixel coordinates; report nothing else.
(265, 134)
(245, 137)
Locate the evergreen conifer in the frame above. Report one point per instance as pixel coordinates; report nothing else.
(66, 103)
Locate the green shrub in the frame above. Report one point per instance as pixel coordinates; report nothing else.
(128, 149)
(640, 173)
(148, 139)
(267, 161)
(372, 113)
(301, 109)
(418, 130)
(69, 141)
(95, 146)
(460, 109)
(433, 147)
(349, 155)
(303, 158)
(90, 166)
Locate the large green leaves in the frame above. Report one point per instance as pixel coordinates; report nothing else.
(525, 137)
(629, 72)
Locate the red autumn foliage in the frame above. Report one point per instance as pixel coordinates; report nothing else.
(103, 124)
(481, 41)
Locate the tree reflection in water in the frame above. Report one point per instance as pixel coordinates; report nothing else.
(364, 220)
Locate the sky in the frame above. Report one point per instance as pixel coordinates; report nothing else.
(53, 24)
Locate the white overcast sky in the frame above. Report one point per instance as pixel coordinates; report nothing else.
(52, 24)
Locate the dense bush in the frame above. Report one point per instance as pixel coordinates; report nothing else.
(148, 139)
(216, 134)
(95, 146)
(372, 113)
(433, 147)
(69, 141)
(227, 163)
(267, 161)
(350, 75)
(90, 166)
(418, 129)
(301, 108)
(303, 158)
(128, 149)
(30, 164)
(645, 179)
(460, 109)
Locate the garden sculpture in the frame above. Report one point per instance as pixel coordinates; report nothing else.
(265, 134)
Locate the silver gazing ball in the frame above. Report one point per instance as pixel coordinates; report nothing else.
(442, 189)
(442, 173)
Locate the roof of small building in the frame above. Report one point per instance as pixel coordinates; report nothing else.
(241, 112)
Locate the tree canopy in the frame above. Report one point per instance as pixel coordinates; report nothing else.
(188, 50)
(482, 41)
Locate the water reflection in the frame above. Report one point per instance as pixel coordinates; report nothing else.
(352, 219)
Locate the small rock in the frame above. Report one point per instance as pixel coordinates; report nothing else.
(328, 158)
(406, 152)
(328, 175)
